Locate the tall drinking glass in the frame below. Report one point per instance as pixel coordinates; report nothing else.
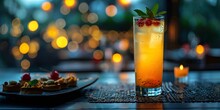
(148, 55)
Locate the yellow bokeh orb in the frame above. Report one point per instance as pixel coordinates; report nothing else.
(24, 48)
(200, 49)
(33, 25)
(70, 3)
(61, 42)
(117, 58)
(124, 2)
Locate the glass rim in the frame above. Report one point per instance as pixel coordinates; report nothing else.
(157, 17)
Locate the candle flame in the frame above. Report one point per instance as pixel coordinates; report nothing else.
(181, 67)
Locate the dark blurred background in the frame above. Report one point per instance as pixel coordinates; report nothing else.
(96, 35)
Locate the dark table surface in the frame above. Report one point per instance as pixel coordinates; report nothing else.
(79, 101)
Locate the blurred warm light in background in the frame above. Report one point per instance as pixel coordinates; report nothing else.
(24, 48)
(93, 43)
(61, 42)
(25, 64)
(25, 39)
(117, 58)
(92, 18)
(124, 44)
(124, 2)
(16, 53)
(34, 47)
(200, 49)
(46, 6)
(98, 54)
(111, 10)
(52, 32)
(33, 25)
(54, 44)
(70, 3)
(73, 46)
(17, 27)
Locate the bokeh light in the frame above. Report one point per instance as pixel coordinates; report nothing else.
(93, 43)
(25, 64)
(46, 6)
(73, 46)
(52, 33)
(24, 48)
(124, 44)
(17, 28)
(200, 49)
(98, 54)
(64, 10)
(16, 22)
(34, 47)
(84, 30)
(124, 3)
(111, 10)
(4, 29)
(117, 58)
(77, 37)
(54, 44)
(61, 23)
(92, 18)
(33, 25)
(70, 3)
(16, 53)
(61, 42)
(25, 39)
(83, 7)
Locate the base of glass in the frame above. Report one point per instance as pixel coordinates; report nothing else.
(182, 80)
(140, 91)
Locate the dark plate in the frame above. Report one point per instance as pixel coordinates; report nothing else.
(82, 83)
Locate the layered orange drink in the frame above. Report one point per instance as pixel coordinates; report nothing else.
(148, 54)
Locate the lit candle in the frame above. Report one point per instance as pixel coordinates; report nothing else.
(181, 71)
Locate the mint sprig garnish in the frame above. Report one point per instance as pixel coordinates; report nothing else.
(33, 82)
(150, 13)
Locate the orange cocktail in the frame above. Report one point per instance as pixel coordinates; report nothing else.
(148, 55)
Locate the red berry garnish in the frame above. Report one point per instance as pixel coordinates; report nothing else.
(156, 23)
(26, 77)
(54, 75)
(148, 22)
(140, 22)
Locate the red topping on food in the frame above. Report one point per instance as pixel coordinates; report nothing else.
(54, 75)
(156, 23)
(148, 22)
(26, 77)
(140, 22)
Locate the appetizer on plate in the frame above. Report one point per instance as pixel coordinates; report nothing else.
(71, 80)
(63, 83)
(12, 86)
(54, 75)
(32, 87)
(26, 77)
(51, 85)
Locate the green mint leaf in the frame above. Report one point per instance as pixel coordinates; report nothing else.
(33, 82)
(140, 13)
(161, 13)
(155, 8)
(149, 13)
